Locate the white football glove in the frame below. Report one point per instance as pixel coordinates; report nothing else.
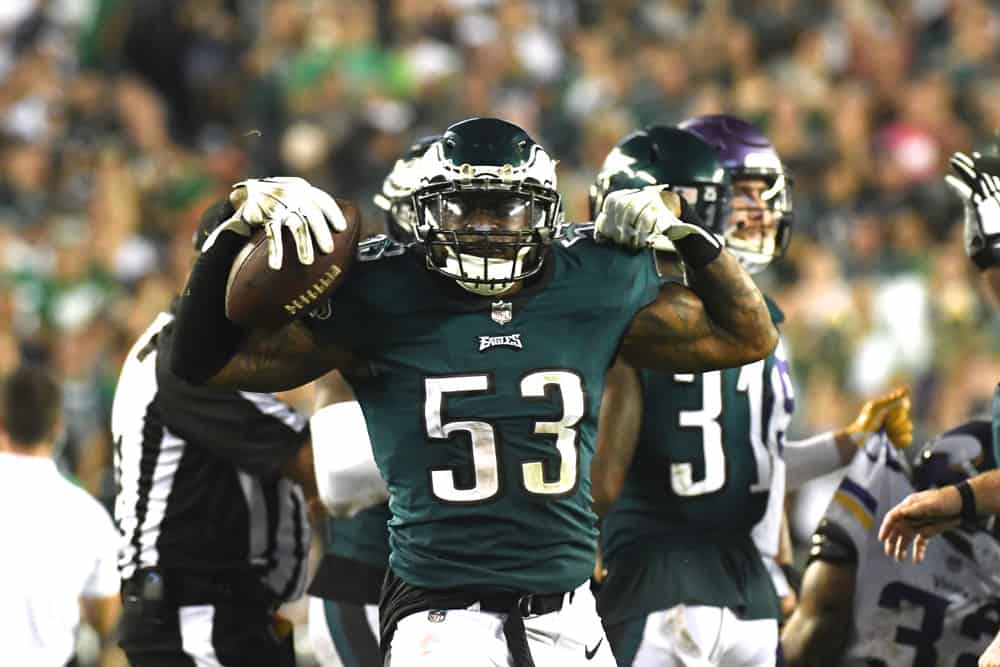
(642, 218)
(980, 192)
(278, 202)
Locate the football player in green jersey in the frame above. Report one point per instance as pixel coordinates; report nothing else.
(478, 355)
(343, 614)
(688, 483)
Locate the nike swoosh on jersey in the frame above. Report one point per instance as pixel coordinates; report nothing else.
(590, 653)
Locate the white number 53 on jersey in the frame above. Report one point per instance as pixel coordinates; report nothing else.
(483, 436)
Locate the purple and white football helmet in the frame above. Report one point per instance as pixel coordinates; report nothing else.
(760, 222)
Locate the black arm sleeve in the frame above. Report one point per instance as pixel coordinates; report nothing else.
(256, 432)
(204, 338)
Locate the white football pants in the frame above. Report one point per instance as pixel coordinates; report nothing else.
(697, 636)
(335, 642)
(472, 638)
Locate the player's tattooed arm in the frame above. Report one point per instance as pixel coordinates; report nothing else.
(617, 434)
(816, 634)
(720, 321)
(280, 360)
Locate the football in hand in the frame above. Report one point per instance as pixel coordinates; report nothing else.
(259, 297)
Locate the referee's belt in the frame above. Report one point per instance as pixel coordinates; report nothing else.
(178, 588)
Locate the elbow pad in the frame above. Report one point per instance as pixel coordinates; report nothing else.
(346, 474)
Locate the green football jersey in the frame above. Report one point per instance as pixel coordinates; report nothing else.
(680, 530)
(483, 411)
(364, 537)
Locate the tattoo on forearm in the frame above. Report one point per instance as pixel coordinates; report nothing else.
(733, 301)
(273, 361)
(720, 321)
(677, 318)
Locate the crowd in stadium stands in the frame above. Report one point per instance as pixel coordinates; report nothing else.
(121, 120)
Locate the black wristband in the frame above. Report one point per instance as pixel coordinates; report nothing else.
(968, 512)
(986, 257)
(204, 338)
(697, 250)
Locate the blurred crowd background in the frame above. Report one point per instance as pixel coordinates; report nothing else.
(121, 120)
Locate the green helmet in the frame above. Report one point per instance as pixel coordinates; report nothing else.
(662, 155)
(486, 204)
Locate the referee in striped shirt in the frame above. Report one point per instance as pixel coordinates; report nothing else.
(214, 536)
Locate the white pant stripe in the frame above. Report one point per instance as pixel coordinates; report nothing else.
(196, 634)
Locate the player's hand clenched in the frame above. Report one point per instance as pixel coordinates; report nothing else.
(645, 218)
(890, 412)
(284, 202)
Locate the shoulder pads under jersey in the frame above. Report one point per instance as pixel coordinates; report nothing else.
(831, 543)
(379, 246)
(574, 232)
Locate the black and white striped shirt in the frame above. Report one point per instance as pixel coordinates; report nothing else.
(197, 473)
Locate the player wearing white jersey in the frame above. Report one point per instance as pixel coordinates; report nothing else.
(976, 181)
(860, 607)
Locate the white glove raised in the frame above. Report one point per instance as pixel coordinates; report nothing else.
(645, 218)
(279, 202)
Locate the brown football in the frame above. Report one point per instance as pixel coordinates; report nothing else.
(259, 297)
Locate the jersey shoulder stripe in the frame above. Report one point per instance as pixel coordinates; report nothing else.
(858, 510)
(852, 489)
(379, 247)
(855, 505)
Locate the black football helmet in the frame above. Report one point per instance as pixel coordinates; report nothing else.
(955, 455)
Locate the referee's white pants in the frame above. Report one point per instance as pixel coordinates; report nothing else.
(472, 638)
(699, 636)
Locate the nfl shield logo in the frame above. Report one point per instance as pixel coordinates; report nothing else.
(503, 312)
